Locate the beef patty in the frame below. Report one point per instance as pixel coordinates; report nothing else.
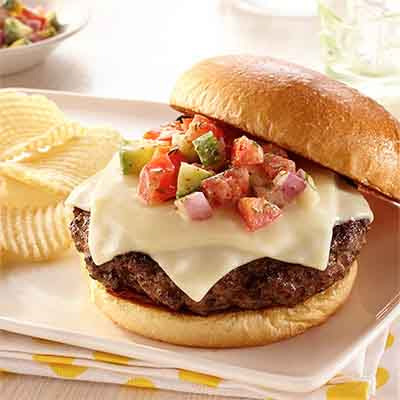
(258, 284)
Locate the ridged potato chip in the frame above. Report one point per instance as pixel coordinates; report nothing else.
(35, 233)
(23, 210)
(23, 118)
(43, 156)
(55, 136)
(16, 194)
(65, 166)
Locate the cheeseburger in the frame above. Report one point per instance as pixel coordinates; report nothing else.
(239, 223)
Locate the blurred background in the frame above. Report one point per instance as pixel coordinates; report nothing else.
(136, 49)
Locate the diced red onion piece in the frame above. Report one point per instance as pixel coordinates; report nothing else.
(195, 206)
(285, 188)
(34, 24)
(292, 186)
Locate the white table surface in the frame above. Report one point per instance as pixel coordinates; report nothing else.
(136, 49)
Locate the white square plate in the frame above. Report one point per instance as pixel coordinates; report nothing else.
(50, 300)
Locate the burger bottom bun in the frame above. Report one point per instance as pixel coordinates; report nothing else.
(226, 329)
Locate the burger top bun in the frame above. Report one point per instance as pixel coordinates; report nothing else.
(300, 110)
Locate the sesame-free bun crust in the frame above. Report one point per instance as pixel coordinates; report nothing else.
(229, 329)
(301, 110)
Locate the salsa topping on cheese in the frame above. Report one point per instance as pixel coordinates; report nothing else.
(201, 166)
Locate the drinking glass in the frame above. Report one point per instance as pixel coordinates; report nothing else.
(360, 41)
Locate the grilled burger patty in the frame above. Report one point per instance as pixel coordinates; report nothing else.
(258, 284)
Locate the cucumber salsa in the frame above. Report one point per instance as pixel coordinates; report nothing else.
(20, 25)
(202, 166)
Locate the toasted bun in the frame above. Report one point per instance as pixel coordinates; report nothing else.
(301, 110)
(230, 329)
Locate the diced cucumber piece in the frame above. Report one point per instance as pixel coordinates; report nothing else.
(52, 20)
(208, 150)
(15, 30)
(10, 5)
(189, 179)
(187, 149)
(20, 42)
(48, 32)
(135, 154)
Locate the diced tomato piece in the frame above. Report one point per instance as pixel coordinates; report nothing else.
(257, 212)
(152, 134)
(185, 123)
(157, 180)
(238, 179)
(273, 164)
(246, 152)
(227, 187)
(217, 191)
(176, 157)
(274, 149)
(28, 15)
(201, 125)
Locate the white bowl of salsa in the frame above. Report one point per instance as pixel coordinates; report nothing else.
(72, 16)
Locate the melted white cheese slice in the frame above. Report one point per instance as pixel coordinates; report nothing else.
(196, 255)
